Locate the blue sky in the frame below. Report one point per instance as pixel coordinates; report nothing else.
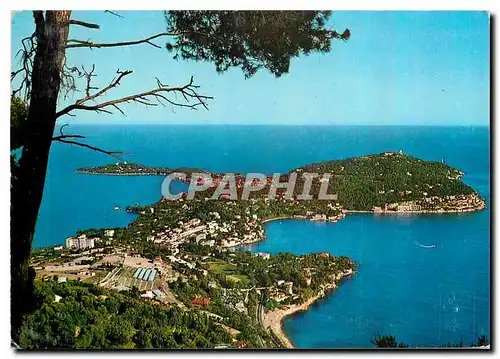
(398, 68)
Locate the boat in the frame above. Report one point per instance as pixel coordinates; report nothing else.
(117, 208)
(425, 245)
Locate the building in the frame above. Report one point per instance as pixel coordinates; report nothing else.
(319, 217)
(409, 207)
(240, 344)
(200, 302)
(263, 255)
(209, 243)
(109, 232)
(149, 294)
(80, 242)
(158, 293)
(157, 260)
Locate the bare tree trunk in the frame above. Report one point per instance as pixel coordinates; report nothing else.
(27, 189)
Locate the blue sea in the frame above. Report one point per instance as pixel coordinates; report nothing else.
(424, 296)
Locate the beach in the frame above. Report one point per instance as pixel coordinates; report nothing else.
(273, 319)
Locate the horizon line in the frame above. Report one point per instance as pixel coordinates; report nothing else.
(272, 124)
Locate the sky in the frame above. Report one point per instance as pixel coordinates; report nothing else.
(398, 68)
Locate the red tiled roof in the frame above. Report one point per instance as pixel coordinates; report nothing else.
(200, 301)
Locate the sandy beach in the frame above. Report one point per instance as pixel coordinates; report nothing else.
(273, 319)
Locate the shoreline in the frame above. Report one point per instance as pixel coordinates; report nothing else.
(123, 174)
(273, 320)
(282, 217)
(447, 211)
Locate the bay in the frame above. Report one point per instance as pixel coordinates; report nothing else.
(424, 296)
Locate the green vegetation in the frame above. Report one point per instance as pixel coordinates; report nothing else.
(362, 183)
(126, 168)
(89, 317)
(18, 116)
(216, 287)
(257, 40)
(389, 341)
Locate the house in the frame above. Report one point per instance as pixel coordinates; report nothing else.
(109, 232)
(409, 207)
(209, 243)
(58, 248)
(280, 297)
(240, 344)
(149, 294)
(62, 279)
(158, 293)
(200, 302)
(324, 254)
(319, 217)
(263, 255)
(200, 237)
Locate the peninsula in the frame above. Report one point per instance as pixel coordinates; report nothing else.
(177, 253)
(133, 169)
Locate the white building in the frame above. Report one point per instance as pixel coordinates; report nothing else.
(263, 255)
(80, 242)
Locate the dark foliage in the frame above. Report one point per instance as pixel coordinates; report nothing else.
(89, 317)
(250, 40)
(387, 341)
(18, 116)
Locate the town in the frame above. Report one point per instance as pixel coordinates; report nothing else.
(192, 253)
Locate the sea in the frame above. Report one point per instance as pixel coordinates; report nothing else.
(423, 296)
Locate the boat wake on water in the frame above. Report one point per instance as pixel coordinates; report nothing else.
(425, 245)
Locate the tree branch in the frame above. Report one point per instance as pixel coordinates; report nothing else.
(84, 24)
(115, 82)
(97, 149)
(26, 61)
(64, 139)
(57, 138)
(113, 13)
(63, 136)
(72, 43)
(188, 92)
